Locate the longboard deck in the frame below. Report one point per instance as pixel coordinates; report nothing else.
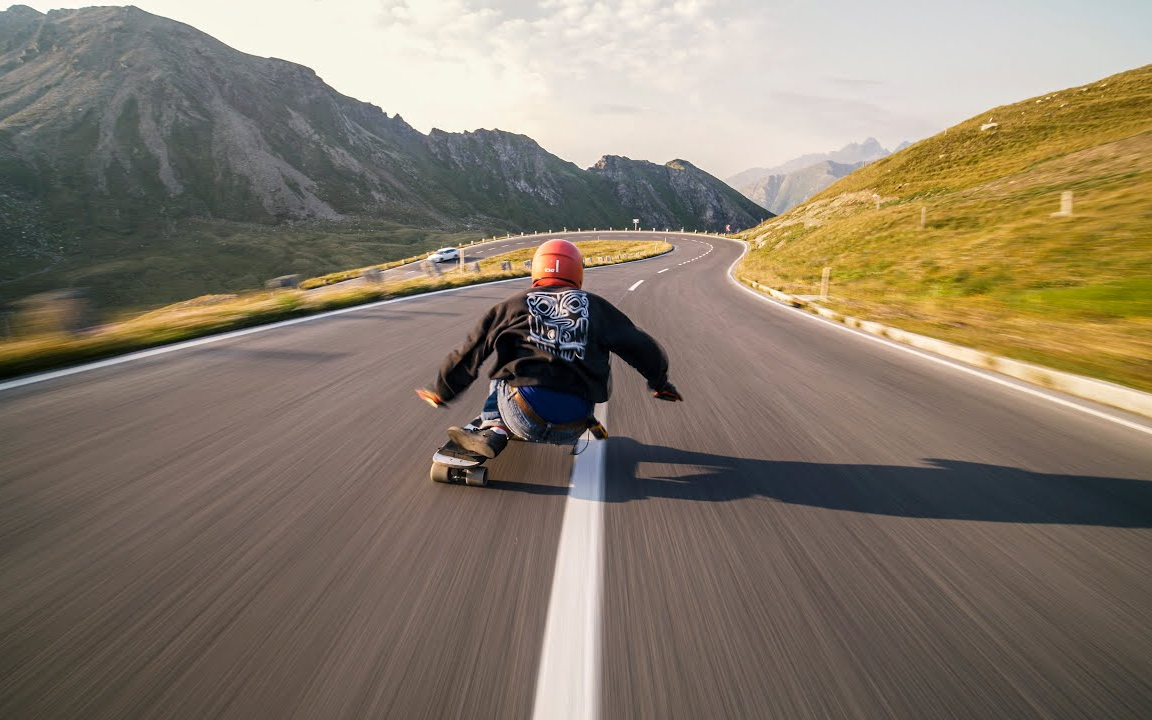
(453, 455)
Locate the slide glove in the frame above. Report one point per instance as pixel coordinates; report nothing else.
(668, 392)
(430, 397)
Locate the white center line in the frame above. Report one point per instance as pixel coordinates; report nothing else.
(664, 270)
(568, 683)
(635, 286)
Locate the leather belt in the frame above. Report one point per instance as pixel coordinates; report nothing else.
(581, 424)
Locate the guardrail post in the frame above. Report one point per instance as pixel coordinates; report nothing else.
(1065, 205)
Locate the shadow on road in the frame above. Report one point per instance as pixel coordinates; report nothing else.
(528, 488)
(947, 490)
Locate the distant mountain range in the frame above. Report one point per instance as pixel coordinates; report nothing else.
(781, 188)
(118, 127)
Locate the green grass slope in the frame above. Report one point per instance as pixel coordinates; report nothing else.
(994, 266)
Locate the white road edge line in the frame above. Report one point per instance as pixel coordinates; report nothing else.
(942, 361)
(52, 375)
(568, 681)
(638, 282)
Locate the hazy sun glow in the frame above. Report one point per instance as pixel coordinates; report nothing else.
(727, 84)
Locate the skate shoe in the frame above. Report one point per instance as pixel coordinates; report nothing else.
(487, 442)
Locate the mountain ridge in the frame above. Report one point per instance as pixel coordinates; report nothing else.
(783, 187)
(118, 128)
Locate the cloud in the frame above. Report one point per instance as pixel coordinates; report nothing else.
(595, 52)
(723, 83)
(814, 106)
(646, 78)
(614, 109)
(831, 114)
(854, 83)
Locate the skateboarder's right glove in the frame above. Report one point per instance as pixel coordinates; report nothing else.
(667, 392)
(430, 397)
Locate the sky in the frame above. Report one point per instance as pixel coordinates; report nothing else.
(725, 84)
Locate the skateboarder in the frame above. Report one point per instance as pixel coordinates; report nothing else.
(552, 345)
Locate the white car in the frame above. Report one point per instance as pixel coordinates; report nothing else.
(445, 255)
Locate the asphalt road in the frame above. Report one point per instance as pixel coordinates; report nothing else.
(827, 527)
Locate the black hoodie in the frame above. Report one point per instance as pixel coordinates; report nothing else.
(554, 337)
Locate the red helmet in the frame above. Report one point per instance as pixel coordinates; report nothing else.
(558, 262)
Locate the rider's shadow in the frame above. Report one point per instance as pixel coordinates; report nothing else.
(946, 489)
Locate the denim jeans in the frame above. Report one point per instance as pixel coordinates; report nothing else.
(501, 408)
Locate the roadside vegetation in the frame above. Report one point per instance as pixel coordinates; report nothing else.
(211, 314)
(162, 263)
(996, 266)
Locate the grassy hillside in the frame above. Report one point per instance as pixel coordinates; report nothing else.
(993, 267)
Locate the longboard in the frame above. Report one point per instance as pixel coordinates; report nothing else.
(452, 463)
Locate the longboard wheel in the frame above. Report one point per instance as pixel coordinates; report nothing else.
(441, 473)
(476, 476)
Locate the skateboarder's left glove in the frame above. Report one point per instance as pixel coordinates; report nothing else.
(430, 397)
(667, 392)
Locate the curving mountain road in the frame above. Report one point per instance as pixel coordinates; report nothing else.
(830, 526)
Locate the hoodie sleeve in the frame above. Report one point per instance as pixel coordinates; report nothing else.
(636, 347)
(462, 365)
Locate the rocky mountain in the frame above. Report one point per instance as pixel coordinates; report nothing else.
(865, 152)
(118, 128)
(781, 193)
(775, 189)
(678, 190)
